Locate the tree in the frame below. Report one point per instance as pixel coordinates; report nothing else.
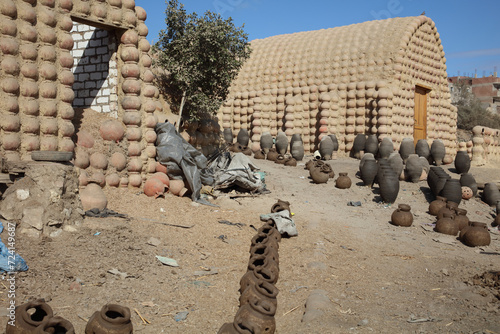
(470, 110)
(200, 57)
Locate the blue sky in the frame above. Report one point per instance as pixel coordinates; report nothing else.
(469, 30)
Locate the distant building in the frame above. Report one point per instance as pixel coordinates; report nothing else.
(486, 89)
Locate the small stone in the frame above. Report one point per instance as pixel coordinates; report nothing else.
(69, 228)
(75, 286)
(33, 217)
(30, 232)
(54, 223)
(22, 194)
(153, 242)
(363, 322)
(445, 272)
(56, 233)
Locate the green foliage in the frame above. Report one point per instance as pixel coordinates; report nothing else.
(200, 57)
(470, 110)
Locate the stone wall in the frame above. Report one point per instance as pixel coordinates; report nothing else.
(95, 68)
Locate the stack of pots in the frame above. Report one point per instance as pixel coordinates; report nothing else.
(258, 292)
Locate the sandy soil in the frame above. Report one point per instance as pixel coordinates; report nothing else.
(379, 278)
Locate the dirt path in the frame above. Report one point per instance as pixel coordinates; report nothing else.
(378, 277)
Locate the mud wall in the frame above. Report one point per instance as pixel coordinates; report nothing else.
(36, 82)
(344, 81)
(485, 145)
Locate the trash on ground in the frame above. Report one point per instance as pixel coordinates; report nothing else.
(210, 271)
(180, 316)
(354, 203)
(116, 272)
(227, 222)
(167, 261)
(9, 260)
(284, 224)
(97, 213)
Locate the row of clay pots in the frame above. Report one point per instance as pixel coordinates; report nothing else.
(37, 317)
(321, 172)
(258, 292)
(159, 183)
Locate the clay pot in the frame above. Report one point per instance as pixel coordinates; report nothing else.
(281, 143)
(438, 152)
(449, 208)
(326, 148)
(386, 147)
(243, 137)
(297, 149)
(436, 179)
(163, 177)
(111, 319)
(343, 181)
(371, 144)
(491, 194)
(402, 216)
(159, 167)
(452, 190)
(29, 316)
(280, 206)
(389, 186)
(406, 148)
(177, 187)
(358, 145)
(247, 151)
(462, 162)
(154, 187)
(93, 197)
(228, 136)
(259, 154)
(436, 205)
(260, 290)
(467, 193)
(476, 234)
(422, 149)
(335, 142)
(272, 155)
(369, 171)
(461, 218)
(319, 174)
(266, 141)
(396, 162)
(55, 325)
(291, 162)
(413, 169)
(256, 317)
(112, 130)
(447, 224)
(280, 159)
(468, 180)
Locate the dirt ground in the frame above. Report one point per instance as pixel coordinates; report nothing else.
(379, 278)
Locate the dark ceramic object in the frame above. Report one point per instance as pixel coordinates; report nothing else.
(280, 206)
(266, 141)
(402, 216)
(56, 325)
(291, 162)
(335, 142)
(366, 156)
(422, 149)
(389, 186)
(260, 154)
(438, 152)
(272, 155)
(476, 234)
(326, 148)
(461, 218)
(452, 190)
(228, 136)
(358, 145)
(281, 143)
(413, 168)
(369, 172)
(371, 144)
(449, 208)
(385, 148)
(29, 316)
(260, 290)
(406, 148)
(243, 138)
(491, 194)
(257, 316)
(396, 163)
(447, 225)
(319, 174)
(297, 148)
(436, 205)
(112, 318)
(343, 181)
(462, 162)
(468, 180)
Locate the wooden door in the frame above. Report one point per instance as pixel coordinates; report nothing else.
(420, 114)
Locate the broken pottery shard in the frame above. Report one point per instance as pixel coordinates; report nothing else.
(168, 261)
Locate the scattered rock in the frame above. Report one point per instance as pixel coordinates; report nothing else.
(153, 242)
(32, 216)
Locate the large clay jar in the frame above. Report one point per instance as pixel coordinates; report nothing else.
(447, 224)
(55, 325)
(29, 316)
(406, 148)
(358, 145)
(297, 149)
(436, 205)
(452, 190)
(319, 174)
(386, 147)
(436, 179)
(468, 180)
(371, 144)
(396, 163)
(413, 168)
(389, 186)
(111, 318)
(335, 142)
(326, 147)
(422, 149)
(438, 152)
(368, 171)
(476, 234)
(177, 187)
(462, 162)
(281, 143)
(295, 137)
(243, 138)
(266, 141)
(366, 156)
(93, 197)
(402, 216)
(343, 181)
(228, 136)
(461, 218)
(491, 194)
